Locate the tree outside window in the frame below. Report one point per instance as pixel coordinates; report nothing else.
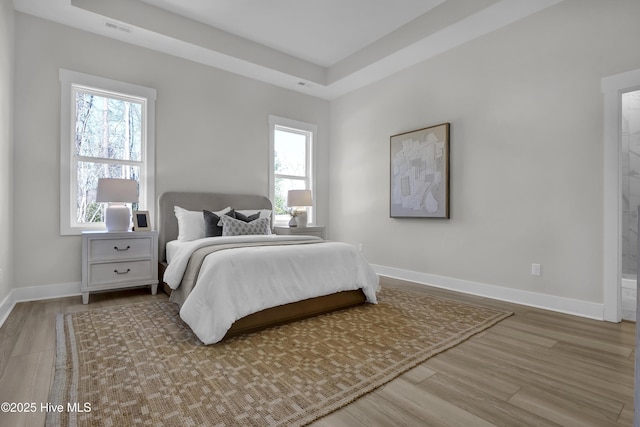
(108, 144)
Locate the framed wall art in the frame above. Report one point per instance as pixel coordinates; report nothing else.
(420, 173)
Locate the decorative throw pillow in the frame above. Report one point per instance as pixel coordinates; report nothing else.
(264, 213)
(250, 213)
(212, 223)
(236, 227)
(190, 224)
(247, 218)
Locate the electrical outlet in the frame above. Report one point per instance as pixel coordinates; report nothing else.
(360, 247)
(535, 269)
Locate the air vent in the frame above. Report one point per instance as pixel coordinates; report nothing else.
(114, 26)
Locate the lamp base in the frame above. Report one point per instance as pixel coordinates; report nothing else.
(117, 217)
(301, 219)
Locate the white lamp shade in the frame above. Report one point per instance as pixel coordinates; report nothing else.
(299, 198)
(117, 190)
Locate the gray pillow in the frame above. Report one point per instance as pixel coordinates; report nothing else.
(236, 227)
(211, 220)
(247, 218)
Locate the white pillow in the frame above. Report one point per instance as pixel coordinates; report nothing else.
(191, 223)
(236, 227)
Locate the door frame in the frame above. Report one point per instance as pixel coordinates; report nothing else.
(613, 87)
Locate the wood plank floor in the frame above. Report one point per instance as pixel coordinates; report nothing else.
(535, 368)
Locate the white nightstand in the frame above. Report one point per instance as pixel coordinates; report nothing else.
(118, 260)
(307, 231)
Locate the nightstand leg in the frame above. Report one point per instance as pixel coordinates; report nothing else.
(85, 297)
(154, 289)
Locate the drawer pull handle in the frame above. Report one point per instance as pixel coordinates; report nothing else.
(122, 272)
(120, 250)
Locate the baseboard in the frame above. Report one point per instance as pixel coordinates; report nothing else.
(35, 293)
(6, 306)
(575, 307)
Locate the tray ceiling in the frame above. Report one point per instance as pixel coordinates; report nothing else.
(324, 49)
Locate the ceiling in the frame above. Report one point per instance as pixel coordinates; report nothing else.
(321, 32)
(323, 48)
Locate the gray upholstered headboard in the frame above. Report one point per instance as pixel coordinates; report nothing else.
(168, 224)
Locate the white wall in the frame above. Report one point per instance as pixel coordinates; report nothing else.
(526, 116)
(526, 155)
(7, 18)
(211, 133)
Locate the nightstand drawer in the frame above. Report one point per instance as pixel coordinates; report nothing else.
(118, 260)
(112, 249)
(120, 272)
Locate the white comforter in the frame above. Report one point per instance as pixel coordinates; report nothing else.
(237, 282)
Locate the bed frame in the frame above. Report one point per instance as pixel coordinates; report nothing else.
(168, 230)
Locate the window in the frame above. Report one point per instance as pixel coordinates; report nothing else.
(106, 132)
(291, 164)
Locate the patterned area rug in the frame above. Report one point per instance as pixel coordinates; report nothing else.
(139, 364)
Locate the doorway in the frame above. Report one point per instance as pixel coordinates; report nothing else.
(613, 88)
(630, 183)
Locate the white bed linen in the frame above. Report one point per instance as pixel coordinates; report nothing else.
(171, 248)
(235, 283)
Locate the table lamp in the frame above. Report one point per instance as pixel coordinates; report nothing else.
(117, 192)
(300, 199)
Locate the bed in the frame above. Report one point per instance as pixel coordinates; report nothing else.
(214, 279)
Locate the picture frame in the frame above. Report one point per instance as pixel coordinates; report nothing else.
(141, 221)
(419, 173)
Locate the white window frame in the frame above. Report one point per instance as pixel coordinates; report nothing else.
(69, 80)
(311, 131)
